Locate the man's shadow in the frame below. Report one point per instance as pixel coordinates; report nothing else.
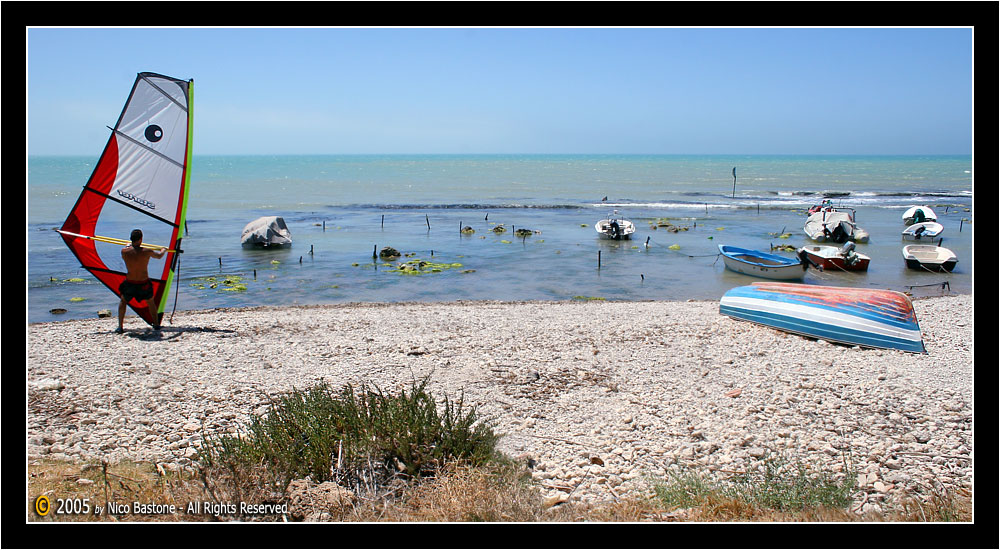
(170, 333)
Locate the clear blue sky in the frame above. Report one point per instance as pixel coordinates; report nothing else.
(518, 90)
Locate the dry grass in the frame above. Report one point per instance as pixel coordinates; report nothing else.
(497, 493)
(98, 484)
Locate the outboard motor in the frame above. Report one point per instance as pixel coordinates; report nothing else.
(806, 262)
(615, 230)
(847, 252)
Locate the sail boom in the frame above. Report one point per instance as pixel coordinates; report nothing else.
(112, 240)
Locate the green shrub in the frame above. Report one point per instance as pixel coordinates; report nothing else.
(776, 483)
(356, 438)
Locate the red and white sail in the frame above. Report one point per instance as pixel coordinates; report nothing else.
(141, 181)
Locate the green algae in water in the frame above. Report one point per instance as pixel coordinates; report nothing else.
(589, 298)
(420, 267)
(77, 299)
(229, 283)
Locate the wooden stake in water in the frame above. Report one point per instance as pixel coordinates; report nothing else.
(428, 219)
(734, 182)
(383, 221)
(598, 259)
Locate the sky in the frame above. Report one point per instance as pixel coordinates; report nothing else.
(517, 90)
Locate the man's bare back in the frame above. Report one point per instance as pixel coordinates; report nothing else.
(137, 262)
(137, 284)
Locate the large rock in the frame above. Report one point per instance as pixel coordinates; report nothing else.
(310, 502)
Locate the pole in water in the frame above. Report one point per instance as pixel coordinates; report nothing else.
(647, 241)
(300, 260)
(220, 261)
(598, 259)
(960, 225)
(310, 250)
(734, 182)
(428, 220)
(324, 226)
(383, 221)
(374, 255)
(487, 218)
(255, 274)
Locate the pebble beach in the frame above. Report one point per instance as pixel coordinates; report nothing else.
(600, 398)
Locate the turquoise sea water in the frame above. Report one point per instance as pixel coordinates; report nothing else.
(341, 208)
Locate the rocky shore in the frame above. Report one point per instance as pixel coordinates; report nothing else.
(598, 397)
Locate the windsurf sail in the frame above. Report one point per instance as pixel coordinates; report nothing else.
(141, 180)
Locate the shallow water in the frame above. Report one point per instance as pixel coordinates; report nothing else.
(341, 209)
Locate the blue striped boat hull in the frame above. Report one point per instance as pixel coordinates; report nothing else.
(857, 316)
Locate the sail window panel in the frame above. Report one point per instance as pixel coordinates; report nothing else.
(147, 181)
(155, 121)
(177, 89)
(118, 221)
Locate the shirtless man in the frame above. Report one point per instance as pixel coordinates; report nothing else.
(137, 284)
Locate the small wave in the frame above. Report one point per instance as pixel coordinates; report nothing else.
(700, 205)
(459, 206)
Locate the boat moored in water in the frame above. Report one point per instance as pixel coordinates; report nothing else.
(833, 257)
(762, 264)
(615, 227)
(918, 214)
(929, 257)
(834, 225)
(922, 231)
(266, 232)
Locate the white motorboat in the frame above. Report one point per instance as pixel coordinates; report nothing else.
(267, 232)
(929, 257)
(918, 214)
(615, 227)
(922, 231)
(833, 225)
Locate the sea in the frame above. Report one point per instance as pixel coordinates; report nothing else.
(343, 209)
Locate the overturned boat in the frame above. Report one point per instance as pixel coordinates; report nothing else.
(267, 232)
(857, 316)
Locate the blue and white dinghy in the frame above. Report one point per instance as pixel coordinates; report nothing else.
(859, 316)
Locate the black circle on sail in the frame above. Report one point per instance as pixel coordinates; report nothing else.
(154, 133)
